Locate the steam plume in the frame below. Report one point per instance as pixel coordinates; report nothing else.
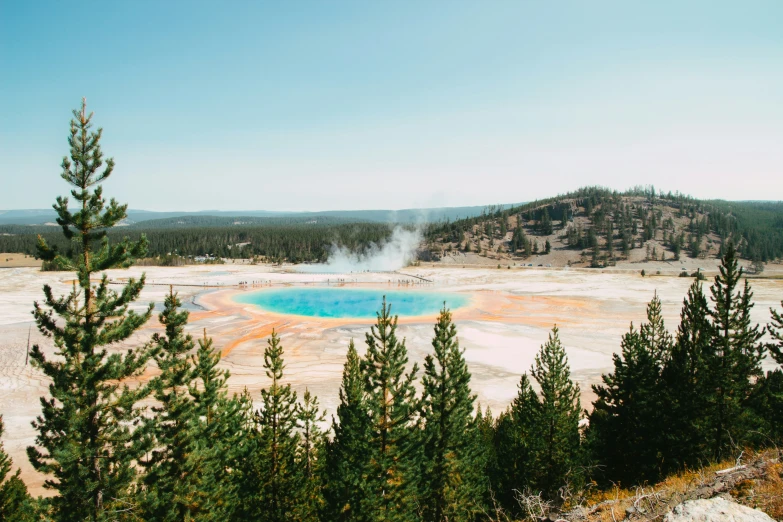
(397, 252)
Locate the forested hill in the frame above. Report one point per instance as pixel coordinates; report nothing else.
(598, 227)
(591, 226)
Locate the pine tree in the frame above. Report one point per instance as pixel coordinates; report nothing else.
(735, 356)
(775, 329)
(452, 486)
(482, 436)
(515, 447)
(310, 503)
(223, 435)
(555, 421)
(168, 485)
(392, 406)
(686, 375)
(626, 434)
(15, 502)
(768, 392)
(346, 487)
(278, 440)
(86, 437)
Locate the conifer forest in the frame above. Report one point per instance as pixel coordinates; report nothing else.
(407, 443)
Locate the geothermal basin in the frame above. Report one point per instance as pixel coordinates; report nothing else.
(502, 318)
(354, 303)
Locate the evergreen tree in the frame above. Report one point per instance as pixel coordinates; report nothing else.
(735, 356)
(86, 431)
(775, 329)
(557, 452)
(168, 485)
(768, 392)
(310, 503)
(625, 434)
(197, 429)
(515, 447)
(277, 452)
(392, 406)
(222, 431)
(685, 376)
(15, 502)
(452, 486)
(482, 437)
(346, 486)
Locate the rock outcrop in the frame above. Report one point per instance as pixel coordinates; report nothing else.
(716, 509)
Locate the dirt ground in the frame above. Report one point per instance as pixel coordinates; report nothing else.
(18, 260)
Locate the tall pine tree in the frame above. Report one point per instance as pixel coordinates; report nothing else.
(86, 437)
(768, 395)
(515, 447)
(392, 406)
(222, 436)
(168, 485)
(625, 434)
(452, 480)
(735, 356)
(277, 452)
(310, 459)
(686, 375)
(347, 466)
(557, 453)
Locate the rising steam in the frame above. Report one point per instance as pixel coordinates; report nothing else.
(395, 253)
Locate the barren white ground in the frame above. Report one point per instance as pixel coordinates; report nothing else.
(510, 314)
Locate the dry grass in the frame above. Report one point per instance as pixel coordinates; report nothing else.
(757, 483)
(762, 489)
(765, 493)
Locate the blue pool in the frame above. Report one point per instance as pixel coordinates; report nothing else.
(351, 302)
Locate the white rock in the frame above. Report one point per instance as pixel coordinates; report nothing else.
(715, 510)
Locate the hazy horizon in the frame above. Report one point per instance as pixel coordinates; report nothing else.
(367, 106)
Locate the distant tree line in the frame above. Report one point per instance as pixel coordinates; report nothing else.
(294, 243)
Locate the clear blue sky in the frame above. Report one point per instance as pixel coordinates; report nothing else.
(380, 104)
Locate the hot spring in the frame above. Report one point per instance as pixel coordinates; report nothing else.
(353, 303)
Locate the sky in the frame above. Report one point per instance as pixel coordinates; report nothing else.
(393, 104)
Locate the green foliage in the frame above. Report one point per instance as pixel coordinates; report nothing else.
(625, 424)
(556, 456)
(452, 481)
(15, 502)
(310, 460)
(735, 358)
(196, 429)
(168, 483)
(537, 444)
(278, 442)
(392, 406)
(87, 441)
(347, 463)
(514, 446)
(775, 329)
(274, 240)
(686, 381)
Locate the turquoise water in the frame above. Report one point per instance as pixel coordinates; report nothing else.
(350, 302)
